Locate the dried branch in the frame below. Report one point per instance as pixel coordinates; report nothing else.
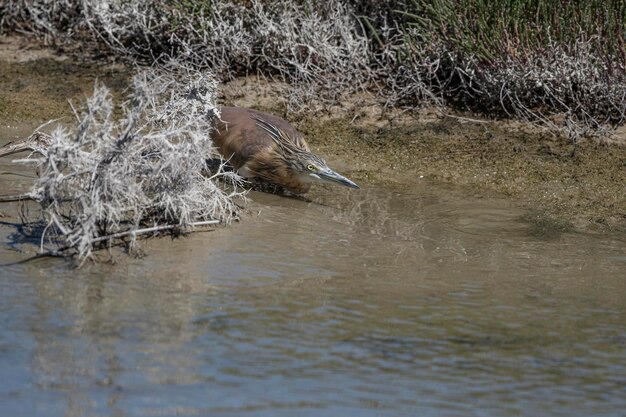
(107, 177)
(153, 229)
(13, 198)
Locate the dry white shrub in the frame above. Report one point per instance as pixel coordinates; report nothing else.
(321, 51)
(115, 177)
(564, 88)
(49, 19)
(317, 49)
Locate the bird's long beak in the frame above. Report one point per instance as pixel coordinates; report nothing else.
(331, 176)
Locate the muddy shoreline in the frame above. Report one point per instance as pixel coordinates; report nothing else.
(566, 188)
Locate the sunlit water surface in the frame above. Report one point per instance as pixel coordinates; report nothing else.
(389, 301)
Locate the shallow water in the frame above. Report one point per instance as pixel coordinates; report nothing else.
(414, 300)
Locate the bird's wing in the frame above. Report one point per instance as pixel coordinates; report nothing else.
(281, 138)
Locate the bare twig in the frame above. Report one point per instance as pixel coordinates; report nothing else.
(38, 142)
(12, 198)
(137, 232)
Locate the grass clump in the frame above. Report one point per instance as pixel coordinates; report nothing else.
(490, 29)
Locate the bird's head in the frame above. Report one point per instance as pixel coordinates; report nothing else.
(293, 153)
(312, 168)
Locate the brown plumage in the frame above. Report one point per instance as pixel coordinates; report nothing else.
(263, 146)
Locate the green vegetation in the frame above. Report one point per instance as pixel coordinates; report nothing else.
(557, 63)
(561, 64)
(517, 28)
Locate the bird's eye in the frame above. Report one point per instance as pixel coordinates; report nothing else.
(311, 168)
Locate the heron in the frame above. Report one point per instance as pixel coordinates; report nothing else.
(262, 146)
